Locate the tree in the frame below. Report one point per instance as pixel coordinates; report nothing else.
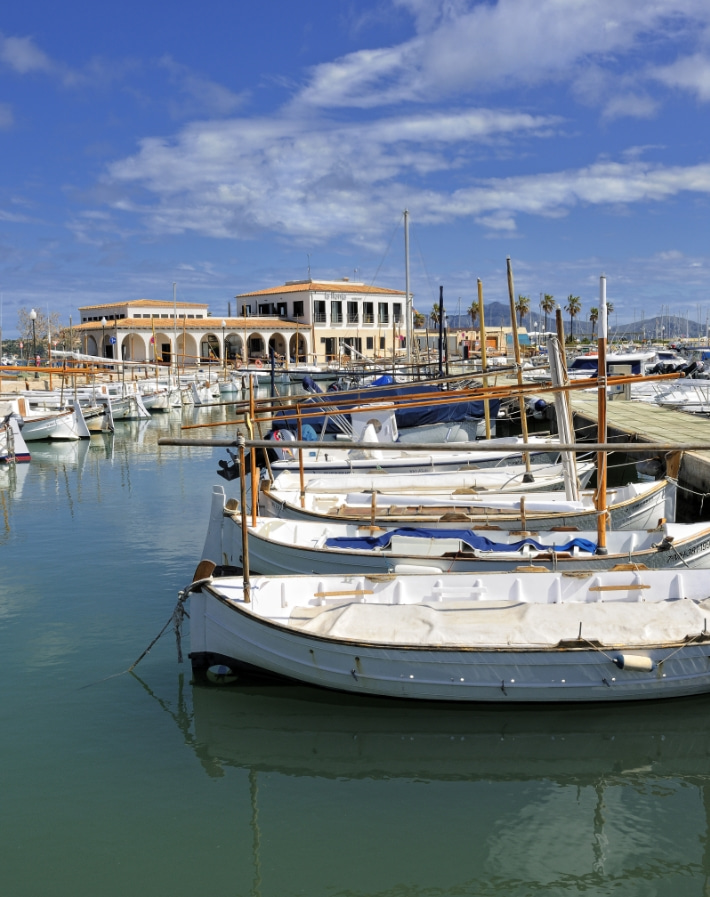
(419, 319)
(548, 305)
(474, 311)
(434, 314)
(593, 317)
(522, 307)
(574, 306)
(44, 326)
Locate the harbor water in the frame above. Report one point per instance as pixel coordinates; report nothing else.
(118, 783)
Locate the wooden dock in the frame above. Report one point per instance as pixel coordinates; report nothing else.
(630, 421)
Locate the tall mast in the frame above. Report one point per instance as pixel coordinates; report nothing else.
(408, 299)
(602, 457)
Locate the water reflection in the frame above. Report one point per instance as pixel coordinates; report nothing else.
(484, 801)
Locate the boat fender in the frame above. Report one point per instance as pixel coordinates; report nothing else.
(637, 663)
(220, 674)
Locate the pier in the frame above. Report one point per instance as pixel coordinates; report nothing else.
(631, 421)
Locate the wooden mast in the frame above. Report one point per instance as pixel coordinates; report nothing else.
(484, 358)
(602, 457)
(516, 348)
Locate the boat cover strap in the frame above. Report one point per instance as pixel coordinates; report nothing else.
(468, 536)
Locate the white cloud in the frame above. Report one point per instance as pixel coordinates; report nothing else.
(469, 47)
(200, 96)
(304, 178)
(312, 180)
(7, 118)
(23, 56)
(691, 73)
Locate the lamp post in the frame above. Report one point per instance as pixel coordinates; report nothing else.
(224, 349)
(33, 318)
(103, 337)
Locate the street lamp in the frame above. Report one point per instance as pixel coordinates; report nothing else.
(224, 349)
(104, 322)
(33, 318)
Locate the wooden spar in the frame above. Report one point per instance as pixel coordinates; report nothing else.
(241, 442)
(301, 474)
(559, 325)
(491, 392)
(482, 446)
(254, 470)
(408, 299)
(441, 331)
(484, 358)
(602, 457)
(516, 349)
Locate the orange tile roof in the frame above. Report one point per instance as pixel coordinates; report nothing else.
(318, 286)
(212, 323)
(160, 303)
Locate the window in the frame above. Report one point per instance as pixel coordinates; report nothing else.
(281, 309)
(246, 311)
(368, 313)
(353, 316)
(370, 342)
(336, 312)
(383, 316)
(382, 342)
(319, 311)
(298, 308)
(397, 312)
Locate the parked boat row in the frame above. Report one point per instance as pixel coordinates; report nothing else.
(463, 594)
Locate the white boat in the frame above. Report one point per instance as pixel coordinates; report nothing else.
(38, 422)
(13, 448)
(279, 546)
(495, 637)
(329, 458)
(633, 506)
(511, 478)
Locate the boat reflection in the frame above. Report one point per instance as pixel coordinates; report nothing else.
(391, 798)
(300, 731)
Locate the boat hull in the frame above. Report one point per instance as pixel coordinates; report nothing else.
(640, 511)
(224, 630)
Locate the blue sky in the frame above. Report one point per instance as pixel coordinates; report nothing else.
(227, 146)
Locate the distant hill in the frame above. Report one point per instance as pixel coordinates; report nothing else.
(497, 314)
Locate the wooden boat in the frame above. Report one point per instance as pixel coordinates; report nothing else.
(13, 448)
(38, 422)
(278, 546)
(511, 478)
(634, 506)
(495, 637)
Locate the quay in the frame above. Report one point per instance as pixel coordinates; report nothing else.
(631, 421)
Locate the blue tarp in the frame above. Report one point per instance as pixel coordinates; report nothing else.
(436, 412)
(468, 536)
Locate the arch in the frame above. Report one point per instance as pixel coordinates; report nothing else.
(298, 352)
(209, 348)
(277, 343)
(187, 349)
(256, 347)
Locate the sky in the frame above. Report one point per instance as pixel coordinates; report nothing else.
(229, 147)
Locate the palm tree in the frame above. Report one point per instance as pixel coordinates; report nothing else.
(434, 314)
(548, 305)
(574, 306)
(522, 307)
(593, 317)
(474, 312)
(419, 320)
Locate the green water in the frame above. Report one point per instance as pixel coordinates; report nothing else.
(148, 784)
